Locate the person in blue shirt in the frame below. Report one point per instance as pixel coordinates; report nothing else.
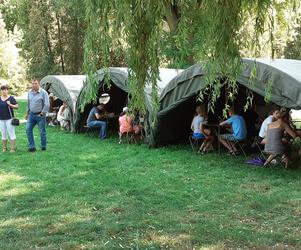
(239, 131)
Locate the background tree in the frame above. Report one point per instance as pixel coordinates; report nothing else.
(194, 30)
(53, 34)
(293, 48)
(12, 66)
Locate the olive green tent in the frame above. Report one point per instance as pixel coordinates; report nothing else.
(118, 92)
(178, 99)
(66, 88)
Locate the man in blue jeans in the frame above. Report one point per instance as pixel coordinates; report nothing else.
(95, 120)
(37, 107)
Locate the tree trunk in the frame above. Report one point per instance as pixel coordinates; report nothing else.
(172, 17)
(60, 41)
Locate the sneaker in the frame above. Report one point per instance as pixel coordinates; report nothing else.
(43, 149)
(32, 150)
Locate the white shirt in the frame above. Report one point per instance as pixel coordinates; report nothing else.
(196, 124)
(264, 126)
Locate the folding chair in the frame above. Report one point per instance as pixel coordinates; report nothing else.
(195, 143)
(239, 143)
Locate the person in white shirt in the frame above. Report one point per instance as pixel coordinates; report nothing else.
(63, 116)
(264, 126)
(199, 131)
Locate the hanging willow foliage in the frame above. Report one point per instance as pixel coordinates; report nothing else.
(206, 31)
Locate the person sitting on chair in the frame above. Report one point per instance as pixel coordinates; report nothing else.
(274, 115)
(239, 131)
(275, 144)
(63, 116)
(51, 115)
(125, 123)
(96, 120)
(197, 121)
(199, 130)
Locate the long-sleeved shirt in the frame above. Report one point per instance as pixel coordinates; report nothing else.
(38, 101)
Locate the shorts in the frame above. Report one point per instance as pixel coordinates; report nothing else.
(198, 136)
(228, 137)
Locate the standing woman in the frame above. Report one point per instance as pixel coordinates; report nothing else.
(7, 105)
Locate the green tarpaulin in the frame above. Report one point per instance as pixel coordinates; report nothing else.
(118, 92)
(282, 76)
(66, 88)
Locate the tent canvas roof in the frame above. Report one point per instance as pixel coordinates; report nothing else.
(282, 75)
(65, 87)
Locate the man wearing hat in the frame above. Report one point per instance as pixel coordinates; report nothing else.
(96, 118)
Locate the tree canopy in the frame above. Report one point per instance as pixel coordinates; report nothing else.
(53, 34)
(12, 66)
(199, 30)
(293, 48)
(74, 36)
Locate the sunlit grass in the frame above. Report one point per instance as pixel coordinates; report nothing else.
(83, 193)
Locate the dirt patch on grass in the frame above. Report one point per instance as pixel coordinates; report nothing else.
(263, 188)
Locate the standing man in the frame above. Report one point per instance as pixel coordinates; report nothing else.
(37, 107)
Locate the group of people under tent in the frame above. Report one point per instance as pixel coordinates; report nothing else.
(274, 134)
(59, 113)
(129, 124)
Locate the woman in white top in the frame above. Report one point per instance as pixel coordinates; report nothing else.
(264, 126)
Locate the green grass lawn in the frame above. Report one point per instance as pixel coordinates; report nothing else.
(83, 193)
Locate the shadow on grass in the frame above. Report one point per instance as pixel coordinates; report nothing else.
(87, 193)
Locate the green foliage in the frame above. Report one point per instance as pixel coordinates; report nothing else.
(137, 24)
(206, 31)
(53, 34)
(12, 66)
(293, 48)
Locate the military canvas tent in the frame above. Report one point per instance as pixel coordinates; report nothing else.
(118, 92)
(178, 99)
(66, 88)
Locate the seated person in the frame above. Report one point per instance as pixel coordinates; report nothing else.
(275, 144)
(274, 115)
(63, 116)
(239, 131)
(53, 110)
(96, 120)
(125, 123)
(199, 131)
(197, 121)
